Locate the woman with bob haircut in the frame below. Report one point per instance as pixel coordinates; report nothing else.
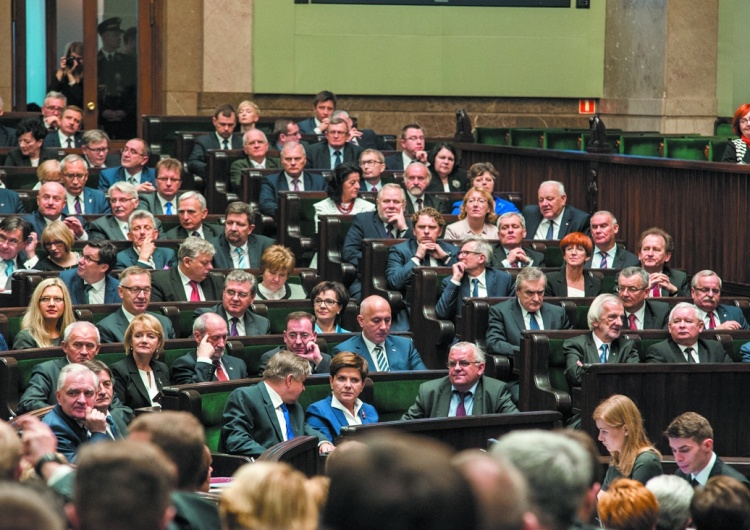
(276, 264)
(329, 299)
(628, 505)
(736, 150)
(57, 240)
(621, 432)
(477, 217)
(573, 280)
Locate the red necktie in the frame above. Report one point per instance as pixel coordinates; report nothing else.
(461, 409)
(221, 375)
(711, 321)
(631, 321)
(194, 294)
(655, 291)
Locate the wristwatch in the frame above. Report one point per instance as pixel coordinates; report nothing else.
(49, 457)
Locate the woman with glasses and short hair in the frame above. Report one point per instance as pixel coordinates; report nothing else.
(736, 150)
(57, 240)
(329, 301)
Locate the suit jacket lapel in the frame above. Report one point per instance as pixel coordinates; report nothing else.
(378, 226)
(679, 357)
(179, 290)
(443, 401)
(591, 353)
(270, 411)
(478, 408)
(518, 316)
(136, 377)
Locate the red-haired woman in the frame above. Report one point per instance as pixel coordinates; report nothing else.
(737, 150)
(573, 280)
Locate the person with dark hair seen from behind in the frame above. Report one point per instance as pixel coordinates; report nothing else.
(30, 135)
(483, 175)
(447, 176)
(329, 301)
(224, 121)
(343, 188)
(628, 505)
(621, 432)
(343, 407)
(573, 280)
(324, 104)
(736, 150)
(24, 508)
(722, 504)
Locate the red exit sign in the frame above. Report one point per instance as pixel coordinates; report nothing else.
(586, 106)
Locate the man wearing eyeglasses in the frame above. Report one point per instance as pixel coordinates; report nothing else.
(334, 150)
(465, 391)
(91, 283)
(135, 290)
(640, 312)
(144, 252)
(168, 181)
(54, 103)
(95, 148)
(372, 163)
(123, 200)
(17, 248)
(705, 288)
(300, 338)
(604, 344)
(238, 297)
(472, 276)
(132, 168)
(412, 148)
(80, 199)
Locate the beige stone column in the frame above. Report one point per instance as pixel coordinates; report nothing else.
(660, 65)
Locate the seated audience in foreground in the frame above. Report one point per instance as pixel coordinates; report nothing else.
(628, 505)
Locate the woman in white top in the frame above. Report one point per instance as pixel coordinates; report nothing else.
(477, 217)
(276, 264)
(343, 188)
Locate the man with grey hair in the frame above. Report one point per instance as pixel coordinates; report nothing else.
(238, 247)
(558, 471)
(509, 253)
(684, 344)
(604, 344)
(260, 416)
(190, 280)
(335, 149)
(238, 297)
(641, 312)
(54, 103)
(473, 277)
(80, 199)
(552, 218)
(143, 234)
(255, 145)
(191, 211)
(74, 419)
(81, 342)
(607, 254)
(465, 391)
(293, 177)
(417, 178)
(95, 149)
(123, 199)
(705, 288)
(50, 202)
(673, 494)
(132, 168)
(364, 138)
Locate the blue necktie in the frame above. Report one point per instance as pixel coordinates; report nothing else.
(551, 230)
(475, 290)
(10, 266)
(241, 264)
(337, 161)
(169, 208)
(603, 354)
(112, 427)
(603, 264)
(289, 431)
(533, 324)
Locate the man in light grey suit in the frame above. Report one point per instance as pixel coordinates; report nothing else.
(163, 201)
(465, 391)
(123, 198)
(238, 247)
(191, 211)
(239, 295)
(91, 283)
(135, 291)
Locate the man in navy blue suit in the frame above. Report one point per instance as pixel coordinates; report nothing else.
(323, 105)
(132, 168)
(412, 148)
(91, 283)
(472, 277)
(79, 199)
(51, 201)
(224, 121)
(552, 218)
(705, 288)
(335, 149)
(10, 202)
(68, 136)
(381, 351)
(293, 160)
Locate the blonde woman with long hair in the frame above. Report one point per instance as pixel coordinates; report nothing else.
(49, 313)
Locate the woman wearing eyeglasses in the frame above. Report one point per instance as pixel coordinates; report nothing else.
(57, 240)
(737, 149)
(477, 217)
(343, 407)
(329, 301)
(49, 313)
(139, 377)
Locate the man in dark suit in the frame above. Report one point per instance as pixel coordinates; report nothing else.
(79, 199)
(68, 135)
(117, 82)
(190, 280)
(293, 177)
(552, 218)
(132, 169)
(74, 420)
(472, 277)
(299, 338)
(285, 130)
(143, 234)
(508, 319)
(134, 290)
(95, 149)
(383, 352)
(50, 203)
(412, 148)
(30, 134)
(17, 243)
(335, 149)
(191, 211)
(604, 344)
(607, 254)
(209, 361)
(163, 201)
(224, 121)
(238, 247)
(80, 343)
(10, 202)
(123, 199)
(706, 292)
(654, 251)
(388, 221)
(417, 178)
(255, 145)
(465, 391)
(260, 416)
(372, 163)
(510, 253)
(364, 138)
(118, 415)
(91, 283)
(640, 312)
(691, 439)
(324, 104)
(684, 344)
(238, 296)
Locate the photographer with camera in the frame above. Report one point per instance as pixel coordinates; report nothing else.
(69, 77)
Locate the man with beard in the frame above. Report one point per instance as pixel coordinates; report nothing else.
(417, 178)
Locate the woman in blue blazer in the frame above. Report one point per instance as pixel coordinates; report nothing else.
(327, 416)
